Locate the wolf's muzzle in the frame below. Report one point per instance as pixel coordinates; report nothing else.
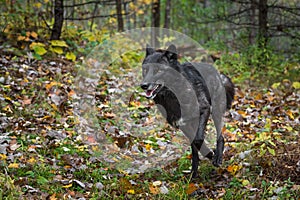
(144, 86)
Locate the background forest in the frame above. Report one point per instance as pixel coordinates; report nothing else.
(43, 44)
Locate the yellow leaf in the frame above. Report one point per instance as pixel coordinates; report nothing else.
(46, 117)
(245, 182)
(258, 96)
(70, 56)
(7, 109)
(3, 157)
(140, 12)
(34, 34)
(20, 37)
(7, 98)
(148, 147)
(289, 128)
(290, 114)
(39, 50)
(296, 85)
(50, 85)
(147, 2)
(275, 85)
(37, 5)
(132, 6)
(13, 165)
(112, 20)
(53, 197)
(233, 168)
(54, 106)
(57, 50)
(34, 44)
(130, 191)
(32, 160)
(91, 38)
(153, 189)
(271, 151)
(191, 188)
(67, 186)
(242, 113)
(59, 43)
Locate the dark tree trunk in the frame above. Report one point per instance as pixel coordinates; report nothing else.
(119, 15)
(263, 37)
(127, 16)
(206, 3)
(252, 18)
(58, 19)
(263, 23)
(167, 14)
(156, 13)
(155, 21)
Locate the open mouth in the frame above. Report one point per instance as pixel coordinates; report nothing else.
(151, 92)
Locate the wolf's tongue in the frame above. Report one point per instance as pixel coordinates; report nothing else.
(149, 93)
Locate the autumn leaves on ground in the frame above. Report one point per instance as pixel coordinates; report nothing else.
(42, 156)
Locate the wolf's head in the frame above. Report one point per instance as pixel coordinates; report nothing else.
(157, 69)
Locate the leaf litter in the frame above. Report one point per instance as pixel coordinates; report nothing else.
(38, 129)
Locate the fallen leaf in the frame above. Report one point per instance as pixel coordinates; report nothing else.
(191, 188)
(32, 160)
(13, 165)
(68, 186)
(53, 197)
(233, 168)
(109, 115)
(153, 189)
(156, 183)
(3, 157)
(130, 191)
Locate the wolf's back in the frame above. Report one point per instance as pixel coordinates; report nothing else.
(216, 83)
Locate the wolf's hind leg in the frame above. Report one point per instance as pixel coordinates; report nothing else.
(195, 157)
(218, 121)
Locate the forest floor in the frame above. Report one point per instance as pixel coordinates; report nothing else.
(134, 154)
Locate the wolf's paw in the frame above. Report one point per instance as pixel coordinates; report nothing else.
(194, 174)
(217, 160)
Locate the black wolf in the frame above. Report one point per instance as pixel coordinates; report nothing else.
(186, 95)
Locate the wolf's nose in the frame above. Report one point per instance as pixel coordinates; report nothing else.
(144, 86)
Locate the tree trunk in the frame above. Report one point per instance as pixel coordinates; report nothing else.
(156, 13)
(58, 19)
(167, 14)
(263, 37)
(155, 22)
(119, 15)
(252, 18)
(263, 23)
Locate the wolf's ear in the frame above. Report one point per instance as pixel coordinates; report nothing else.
(171, 52)
(149, 50)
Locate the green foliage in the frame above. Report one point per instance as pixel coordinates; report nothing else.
(8, 189)
(254, 64)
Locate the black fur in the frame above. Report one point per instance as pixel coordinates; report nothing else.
(185, 94)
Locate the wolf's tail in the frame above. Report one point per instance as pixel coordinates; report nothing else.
(229, 88)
